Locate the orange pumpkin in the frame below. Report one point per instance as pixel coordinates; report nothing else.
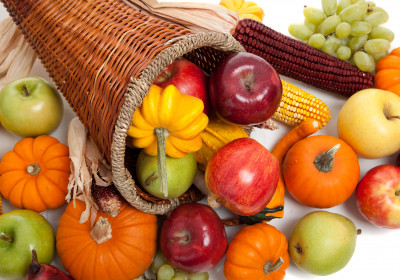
(321, 171)
(259, 251)
(120, 247)
(304, 129)
(387, 75)
(35, 174)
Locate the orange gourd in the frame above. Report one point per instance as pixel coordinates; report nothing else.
(387, 75)
(304, 129)
(35, 174)
(321, 171)
(258, 251)
(120, 247)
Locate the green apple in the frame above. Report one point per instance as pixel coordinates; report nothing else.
(180, 174)
(322, 242)
(369, 122)
(21, 231)
(30, 107)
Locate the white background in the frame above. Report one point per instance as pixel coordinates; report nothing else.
(377, 254)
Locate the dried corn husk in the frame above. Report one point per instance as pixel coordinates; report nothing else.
(86, 163)
(198, 17)
(16, 56)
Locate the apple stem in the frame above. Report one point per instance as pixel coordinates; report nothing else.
(101, 231)
(6, 238)
(25, 90)
(33, 169)
(162, 133)
(35, 266)
(324, 161)
(270, 267)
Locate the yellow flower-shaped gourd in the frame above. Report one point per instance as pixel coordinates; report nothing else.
(246, 9)
(168, 123)
(170, 113)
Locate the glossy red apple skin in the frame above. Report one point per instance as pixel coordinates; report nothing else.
(245, 89)
(243, 175)
(188, 78)
(193, 238)
(378, 196)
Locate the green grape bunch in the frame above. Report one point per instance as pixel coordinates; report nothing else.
(350, 30)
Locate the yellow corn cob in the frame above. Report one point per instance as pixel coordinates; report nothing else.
(297, 105)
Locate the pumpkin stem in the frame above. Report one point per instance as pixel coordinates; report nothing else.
(33, 169)
(270, 267)
(324, 161)
(101, 231)
(6, 238)
(162, 133)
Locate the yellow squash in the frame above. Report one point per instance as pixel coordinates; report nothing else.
(217, 134)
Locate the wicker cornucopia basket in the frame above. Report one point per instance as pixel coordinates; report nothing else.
(103, 56)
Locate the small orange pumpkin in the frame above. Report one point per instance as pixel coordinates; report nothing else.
(120, 247)
(321, 171)
(259, 251)
(35, 174)
(387, 75)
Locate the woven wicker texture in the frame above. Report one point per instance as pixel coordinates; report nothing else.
(103, 56)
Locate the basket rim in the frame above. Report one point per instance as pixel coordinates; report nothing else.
(137, 89)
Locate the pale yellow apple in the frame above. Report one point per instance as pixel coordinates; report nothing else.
(369, 122)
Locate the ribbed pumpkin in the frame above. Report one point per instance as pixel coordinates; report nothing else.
(387, 75)
(35, 174)
(120, 247)
(259, 251)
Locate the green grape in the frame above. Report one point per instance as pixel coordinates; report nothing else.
(343, 52)
(316, 40)
(314, 15)
(377, 17)
(376, 46)
(342, 4)
(372, 68)
(329, 24)
(165, 272)
(345, 41)
(300, 31)
(364, 6)
(378, 56)
(363, 61)
(329, 7)
(360, 28)
(310, 25)
(182, 274)
(352, 13)
(343, 30)
(199, 276)
(331, 45)
(381, 32)
(357, 43)
(158, 261)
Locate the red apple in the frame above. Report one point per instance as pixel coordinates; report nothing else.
(245, 89)
(193, 238)
(378, 196)
(188, 78)
(243, 176)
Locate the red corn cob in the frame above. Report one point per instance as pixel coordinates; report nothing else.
(297, 60)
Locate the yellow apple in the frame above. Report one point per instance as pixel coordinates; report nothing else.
(369, 122)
